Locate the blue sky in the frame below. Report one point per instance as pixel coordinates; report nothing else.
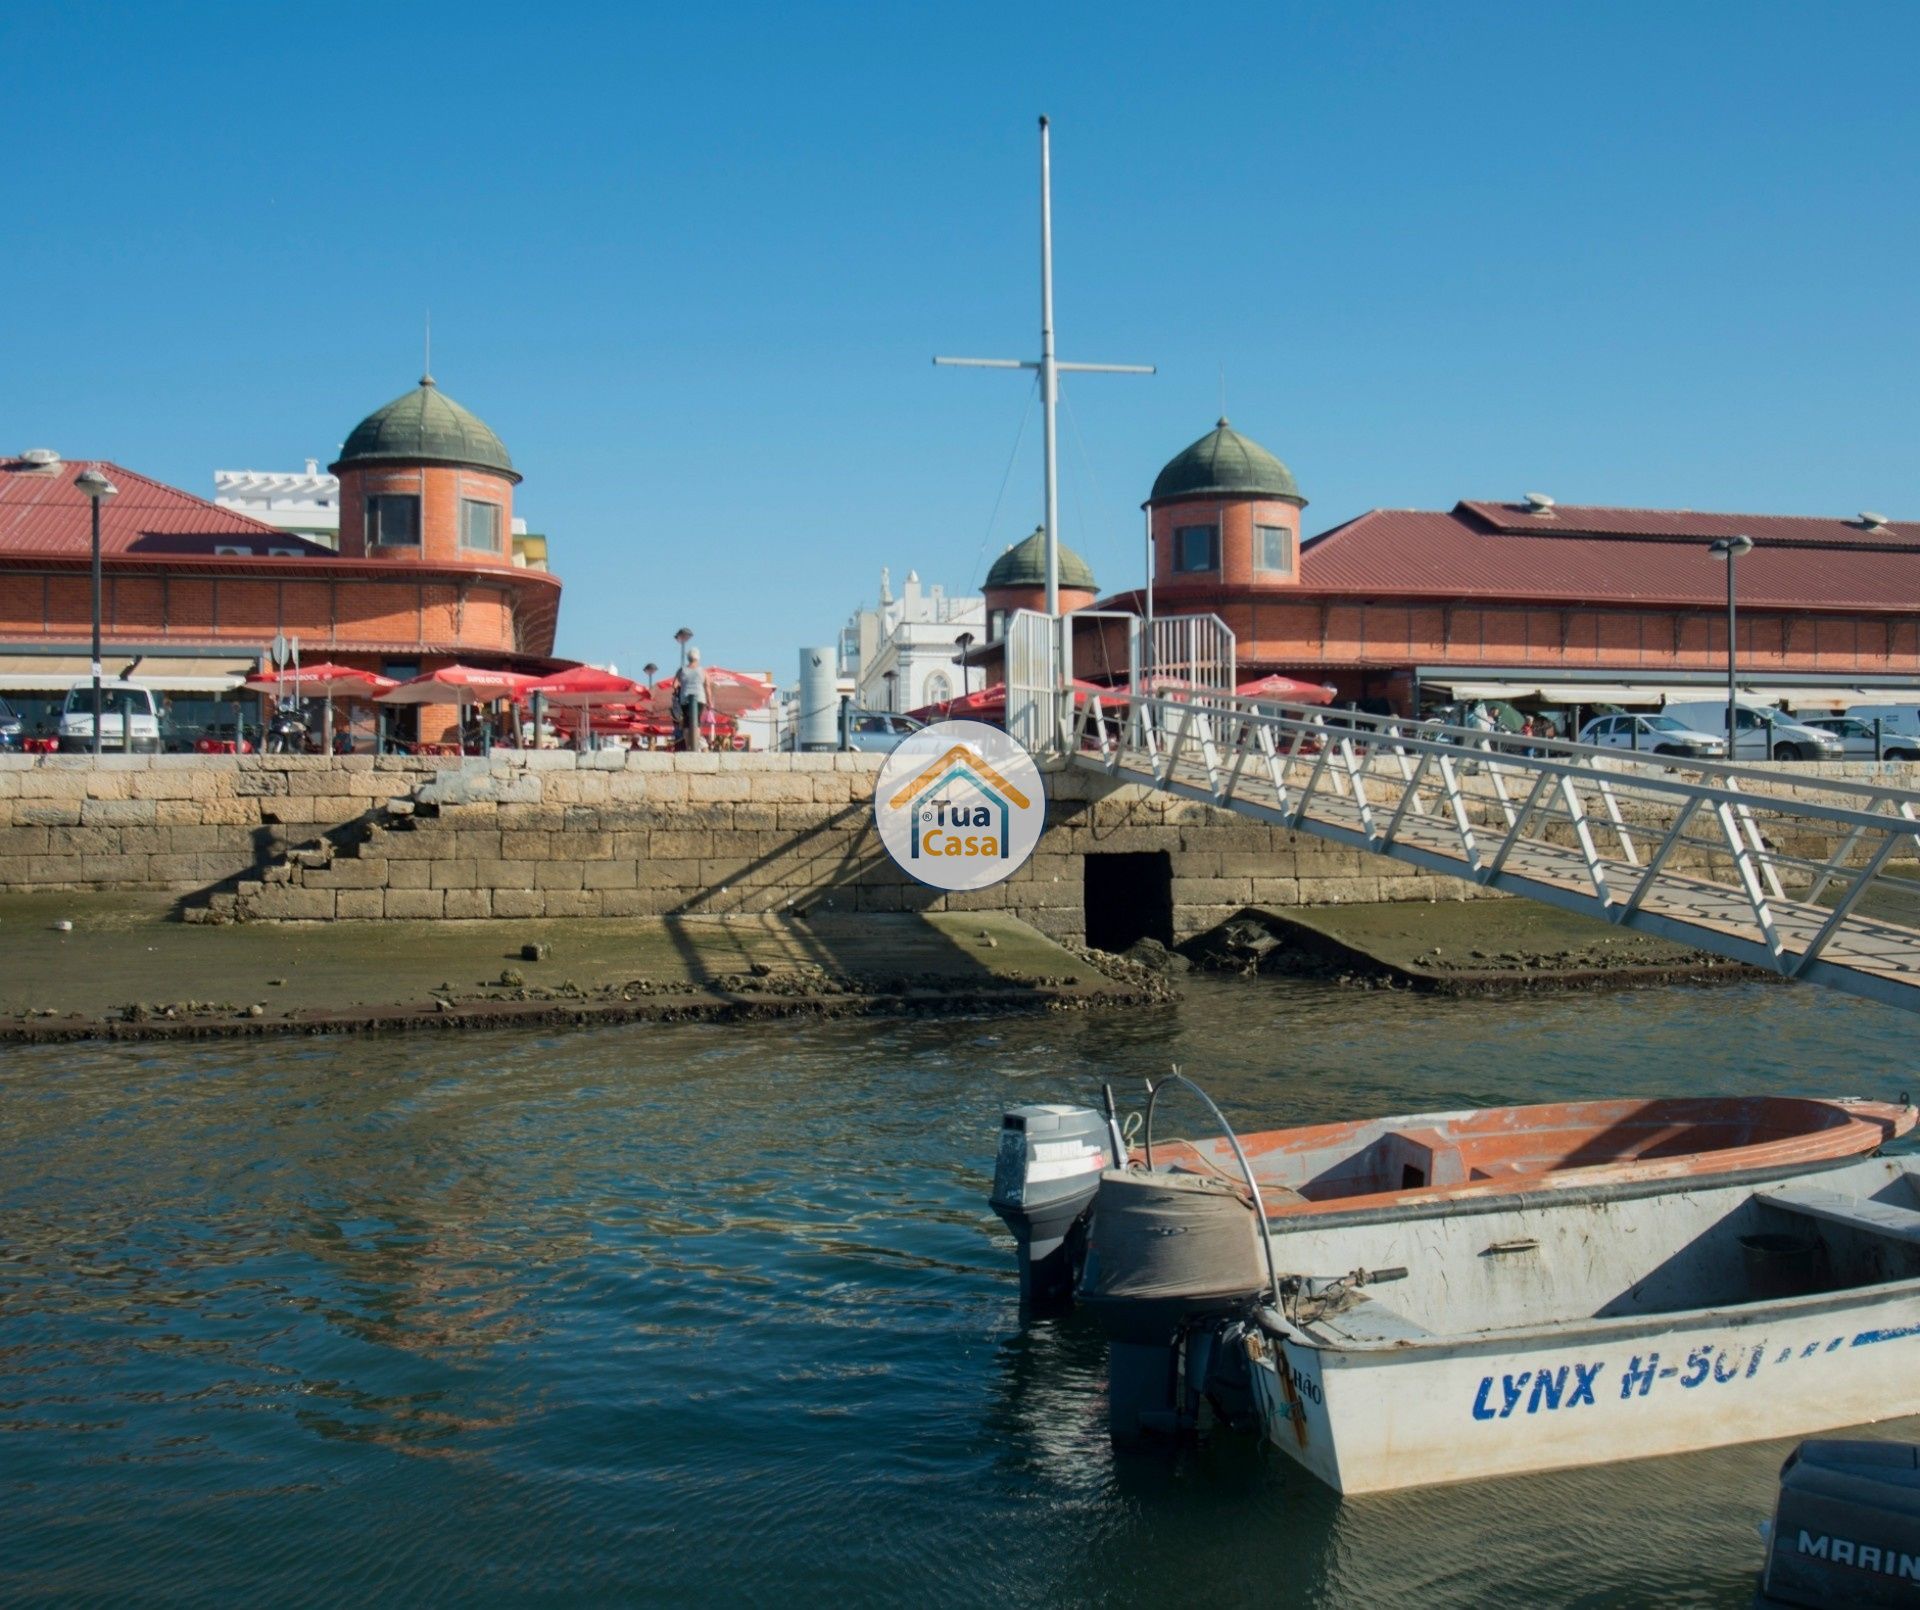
(692, 264)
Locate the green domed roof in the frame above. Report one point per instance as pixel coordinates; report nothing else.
(1025, 565)
(425, 426)
(1223, 463)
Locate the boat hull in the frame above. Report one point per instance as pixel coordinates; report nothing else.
(1377, 1420)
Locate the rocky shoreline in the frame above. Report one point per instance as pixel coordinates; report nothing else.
(115, 973)
(1455, 948)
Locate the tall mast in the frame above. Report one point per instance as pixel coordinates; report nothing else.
(1050, 370)
(1049, 380)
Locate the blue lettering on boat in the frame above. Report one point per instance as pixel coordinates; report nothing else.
(1867, 1337)
(1547, 1387)
(1644, 1375)
(1584, 1375)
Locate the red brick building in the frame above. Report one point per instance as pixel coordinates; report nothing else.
(426, 573)
(1501, 599)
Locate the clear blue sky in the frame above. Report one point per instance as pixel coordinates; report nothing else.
(692, 264)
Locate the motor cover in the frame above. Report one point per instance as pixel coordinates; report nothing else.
(1044, 1183)
(1846, 1530)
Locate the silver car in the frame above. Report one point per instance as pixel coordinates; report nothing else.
(1856, 738)
(1653, 735)
(876, 731)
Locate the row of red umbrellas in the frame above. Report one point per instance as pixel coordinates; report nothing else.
(733, 693)
(990, 703)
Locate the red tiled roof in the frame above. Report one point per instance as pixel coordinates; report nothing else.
(1624, 556)
(42, 511)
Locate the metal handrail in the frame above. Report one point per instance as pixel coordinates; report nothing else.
(1561, 761)
(1577, 825)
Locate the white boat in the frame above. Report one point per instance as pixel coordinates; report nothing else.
(1545, 1330)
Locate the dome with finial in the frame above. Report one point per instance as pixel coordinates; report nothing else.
(425, 426)
(1223, 463)
(1025, 565)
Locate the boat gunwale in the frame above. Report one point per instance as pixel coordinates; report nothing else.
(1799, 1151)
(1612, 1328)
(1578, 1194)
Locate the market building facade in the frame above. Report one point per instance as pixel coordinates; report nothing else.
(194, 594)
(1400, 609)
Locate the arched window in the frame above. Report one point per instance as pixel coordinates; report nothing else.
(939, 688)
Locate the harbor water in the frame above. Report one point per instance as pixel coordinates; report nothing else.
(680, 1315)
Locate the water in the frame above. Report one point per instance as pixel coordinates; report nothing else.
(696, 1314)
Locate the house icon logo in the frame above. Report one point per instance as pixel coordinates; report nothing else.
(960, 805)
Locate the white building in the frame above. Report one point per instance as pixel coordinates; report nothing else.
(913, 638)
(307, 503)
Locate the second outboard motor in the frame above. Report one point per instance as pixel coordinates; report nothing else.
(1043, 1186)
(1846, 1531)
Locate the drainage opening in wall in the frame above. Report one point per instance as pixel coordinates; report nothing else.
(1128, 898)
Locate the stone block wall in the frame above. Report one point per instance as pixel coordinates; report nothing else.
(616, 834)
(613, 834)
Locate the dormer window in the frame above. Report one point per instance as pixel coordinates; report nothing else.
(393, 521)
(1196, 548)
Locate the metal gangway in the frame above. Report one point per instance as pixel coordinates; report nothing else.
(1795, 874)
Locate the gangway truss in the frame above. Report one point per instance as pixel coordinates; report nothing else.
(1787, 871)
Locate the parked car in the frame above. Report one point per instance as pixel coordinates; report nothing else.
(1654, 735)
(11, 726)
(129, 719)
(1760, 732)
(1857, 740)
(875, 731)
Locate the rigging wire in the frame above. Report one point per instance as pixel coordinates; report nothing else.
(1006, 477)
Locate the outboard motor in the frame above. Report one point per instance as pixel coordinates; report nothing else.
(1846, 1531)
(1043, 1186)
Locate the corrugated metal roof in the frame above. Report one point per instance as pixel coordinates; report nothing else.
(42, 511)
(1620, 556)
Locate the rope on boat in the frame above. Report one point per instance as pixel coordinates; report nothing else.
(1259, 1206)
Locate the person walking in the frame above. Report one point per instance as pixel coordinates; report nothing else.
(691, 697)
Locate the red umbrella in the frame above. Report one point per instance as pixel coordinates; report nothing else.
(734, 693)
(990, 703)
(323, 681)
(458, 684)
(586, 685)
(1285, 690)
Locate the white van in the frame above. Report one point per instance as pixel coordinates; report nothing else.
(129, 719)
(1901, 718)
(1790, 740)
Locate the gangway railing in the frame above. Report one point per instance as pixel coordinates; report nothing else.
(1796, 874)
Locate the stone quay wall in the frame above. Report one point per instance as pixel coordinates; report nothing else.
(611, 834)
(619, 834)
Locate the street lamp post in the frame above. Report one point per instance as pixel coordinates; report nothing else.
(964, 642)
(96, 488)
(1730, 549)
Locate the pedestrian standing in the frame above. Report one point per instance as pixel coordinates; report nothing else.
(690, 699)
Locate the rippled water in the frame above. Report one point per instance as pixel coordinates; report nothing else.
(698, 1314)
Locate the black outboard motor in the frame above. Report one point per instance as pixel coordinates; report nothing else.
(1044, 1184)
(1846, 1531)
